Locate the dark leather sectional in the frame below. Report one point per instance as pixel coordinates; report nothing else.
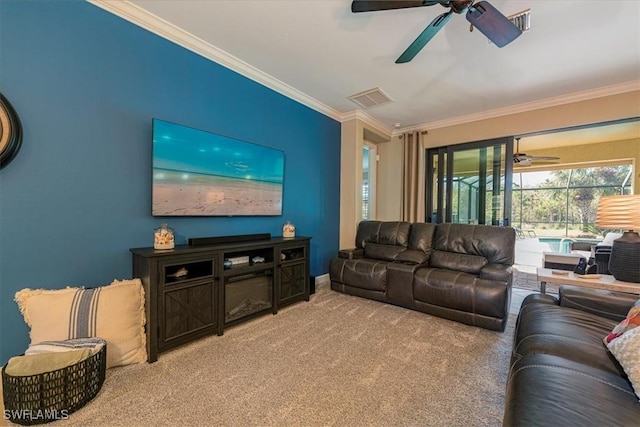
(561, 372)
(455, 271)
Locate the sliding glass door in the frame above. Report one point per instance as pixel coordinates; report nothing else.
(470, 183)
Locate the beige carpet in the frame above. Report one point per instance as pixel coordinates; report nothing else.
(337, 360)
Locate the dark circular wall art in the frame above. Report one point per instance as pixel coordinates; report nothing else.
(10, 132)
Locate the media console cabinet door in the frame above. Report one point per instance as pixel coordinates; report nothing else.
(293, 281)
(187, 309)
(294, 272)
(186, 304)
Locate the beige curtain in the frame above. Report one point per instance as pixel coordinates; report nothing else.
(413, 178)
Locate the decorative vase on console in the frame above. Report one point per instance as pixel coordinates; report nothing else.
(163, 237)
(288, 230)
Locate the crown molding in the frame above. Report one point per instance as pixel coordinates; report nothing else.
(372, 123)
(142, 18)
(529, 106)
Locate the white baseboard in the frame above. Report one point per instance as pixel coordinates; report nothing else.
(322, 280)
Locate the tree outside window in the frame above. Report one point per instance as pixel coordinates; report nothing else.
(564, 202)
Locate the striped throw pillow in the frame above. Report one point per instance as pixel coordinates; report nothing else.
(114, 313)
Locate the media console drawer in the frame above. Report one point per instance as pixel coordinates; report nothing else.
(190, 293)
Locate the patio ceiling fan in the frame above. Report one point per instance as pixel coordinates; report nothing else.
(522, 159)
(482, 15)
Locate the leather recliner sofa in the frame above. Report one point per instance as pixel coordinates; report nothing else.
(456, 271)
(561, 372)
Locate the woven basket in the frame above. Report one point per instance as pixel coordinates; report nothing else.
(52, 396)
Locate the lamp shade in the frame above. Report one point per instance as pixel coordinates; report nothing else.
(619, 212)
(622, 212)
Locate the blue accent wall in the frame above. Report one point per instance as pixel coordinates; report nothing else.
(86, 85)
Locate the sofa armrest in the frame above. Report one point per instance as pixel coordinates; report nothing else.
(610, 304)
(496, 271)
(400, 283)
(352, 253)
(539, 299)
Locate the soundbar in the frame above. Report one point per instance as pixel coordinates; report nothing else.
(203, 241)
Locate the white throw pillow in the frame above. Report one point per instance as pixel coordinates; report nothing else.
(609, 238)
(626, 349)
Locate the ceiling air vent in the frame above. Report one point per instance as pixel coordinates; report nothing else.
(522, 20)
(370, 98)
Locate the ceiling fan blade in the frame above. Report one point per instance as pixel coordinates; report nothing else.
(543, 158)
(521, 159)
(373, 5)
(424, 38)
(493, 24)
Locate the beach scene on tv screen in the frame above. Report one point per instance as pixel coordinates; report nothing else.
(198, 173)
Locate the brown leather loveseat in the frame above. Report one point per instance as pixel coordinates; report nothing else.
(562, 374)
(455, 271)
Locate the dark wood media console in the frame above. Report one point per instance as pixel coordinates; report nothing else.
(189, 293)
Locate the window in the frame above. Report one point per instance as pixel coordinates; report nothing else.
(564, 202)
(369, 158)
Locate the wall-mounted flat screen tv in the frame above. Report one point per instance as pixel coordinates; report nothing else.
(198, 173)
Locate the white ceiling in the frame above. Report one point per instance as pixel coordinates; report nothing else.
(319, 53)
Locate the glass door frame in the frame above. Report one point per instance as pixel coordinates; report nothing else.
(444, 184)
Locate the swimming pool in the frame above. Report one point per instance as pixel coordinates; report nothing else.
(563, 244)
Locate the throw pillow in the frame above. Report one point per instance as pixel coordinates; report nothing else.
(609, 238)
(632, 320)
(114, 313)
(626, 349)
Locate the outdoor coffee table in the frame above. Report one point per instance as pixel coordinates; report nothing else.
(596, 281)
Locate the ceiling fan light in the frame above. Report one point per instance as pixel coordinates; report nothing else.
(521, 161)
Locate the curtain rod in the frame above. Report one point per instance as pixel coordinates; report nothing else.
(422, 132)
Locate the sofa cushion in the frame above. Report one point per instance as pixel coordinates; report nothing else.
(394, 233)
(612, 305)
(460, 291)
(496, 244)
(360, 273)
(501, 272)
(458, 262)
(565, 332)
(421, 237)
(377, 251)
(367, 232)
(383, 232)
(420, 244)
(547, 390)
(412, 256)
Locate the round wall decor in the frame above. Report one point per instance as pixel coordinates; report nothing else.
(10, 132)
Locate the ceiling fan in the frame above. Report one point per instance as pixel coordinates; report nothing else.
(482, 15)
(522, 159)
